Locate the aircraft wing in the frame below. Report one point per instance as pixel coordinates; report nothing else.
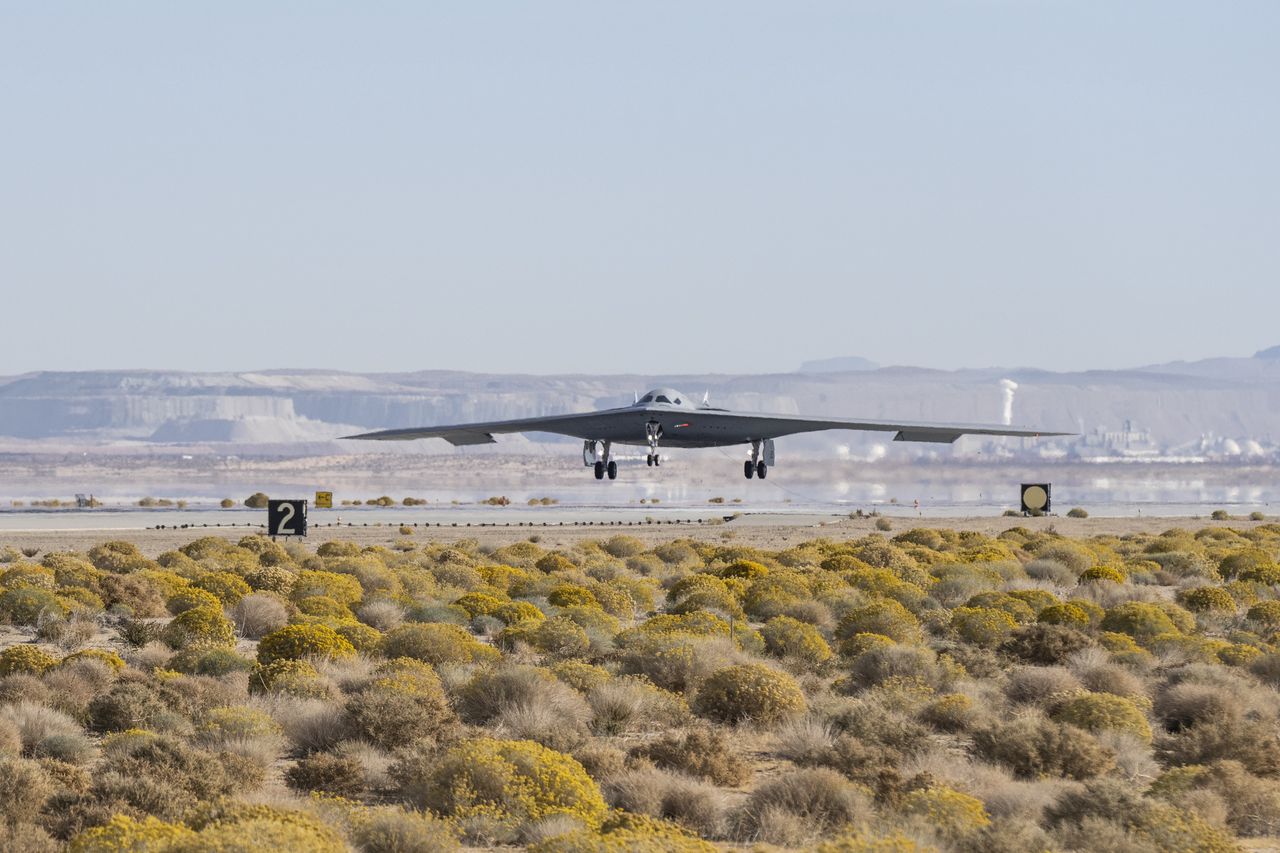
(775, 426)
(577, 425)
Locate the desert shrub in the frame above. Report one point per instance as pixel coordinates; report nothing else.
(883, 616)
(117, 556)
(1247, 563)
(395, 830)
(1138, 619)
(1133, 822)
(326, 773)
(799, 806)
(389, 716)
(23, 789)
(580, 675)
(228, 588)
(622, 546)
(25, 658)
(293, 642)
(26, 605)
(200, 626)
(123, 833)
(702, 752)
(293, 677)
(202, 660)
(1033, 747)
(749, 692)
(569, 595)
(1093, 574)
(513, 612)
(629, 703)
(1053, 571)
(677, 661)
(651, 791)
(1207, 599)
(1045, 643)
(946, 811)
(162, 776)
(884, 663)
(1040, 684)
(1015, 606)
(951, 712)
(479, 603)
(982, 626)
(128, 705)
(558, 636)
(786, 637)
(1265, 613)
(1098, 711)
(507, 783)
(1070, 614)
(436, 643)
(365, 640)
(189, 598)
(132, 595)
(1077, 512)
(258, 614)
(492, 694)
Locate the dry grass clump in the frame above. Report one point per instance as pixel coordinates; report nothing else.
(943, 689)
(702, 752)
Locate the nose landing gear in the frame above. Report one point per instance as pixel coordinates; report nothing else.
(653, 432)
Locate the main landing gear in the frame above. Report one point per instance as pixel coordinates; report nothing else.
(602, 465)
(755, 465)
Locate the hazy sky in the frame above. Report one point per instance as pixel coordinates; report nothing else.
(656, 187)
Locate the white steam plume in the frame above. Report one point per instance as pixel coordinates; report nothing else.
(1007, 387)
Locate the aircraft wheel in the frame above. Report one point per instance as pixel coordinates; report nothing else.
(657, 460)
(748, 469)
(599, 470)
(649, 460)
(761, 469)
(613, 470)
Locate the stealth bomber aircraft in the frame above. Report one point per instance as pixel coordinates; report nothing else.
(664, 416)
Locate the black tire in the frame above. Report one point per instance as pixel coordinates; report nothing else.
(761, 469)
(748, 469)
(649, 460)
(657, 460)
(599, 470)
(613, 470)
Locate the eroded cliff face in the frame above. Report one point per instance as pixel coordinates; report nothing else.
(1178, 404)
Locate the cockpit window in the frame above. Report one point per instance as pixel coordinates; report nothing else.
(662, 398)
(647, 398)
(677, 401)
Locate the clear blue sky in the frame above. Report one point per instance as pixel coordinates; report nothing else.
(657, 187)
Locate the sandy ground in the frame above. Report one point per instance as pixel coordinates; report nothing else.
(763, 531)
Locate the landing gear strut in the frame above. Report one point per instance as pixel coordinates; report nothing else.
(755, 465)
(653, 432)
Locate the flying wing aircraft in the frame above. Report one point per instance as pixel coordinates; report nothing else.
(664, 416)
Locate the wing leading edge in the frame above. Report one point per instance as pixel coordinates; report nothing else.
(460, 435)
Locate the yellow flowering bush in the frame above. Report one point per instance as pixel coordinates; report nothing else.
(436, 643)
(786, 637)
(982, 626)
(25, 658)
(947, 811)
(301, 641)
(124, 834)
(1103, 711)
(511, 782)
(200, 626)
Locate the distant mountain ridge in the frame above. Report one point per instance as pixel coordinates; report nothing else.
(1178, 403)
